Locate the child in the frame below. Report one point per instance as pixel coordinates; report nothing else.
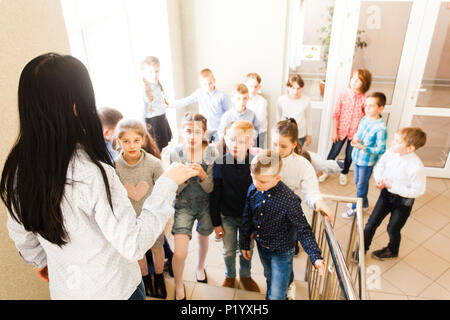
(400, 176)
(274, 217)
(155, 103)
(192, 201)
(212, 102)
(369, 143)
(239, 112)
(231, 181)
(348, 113)
(295, 105)
(138, 171)
(258, 105)
(298, 174)
(109, 118)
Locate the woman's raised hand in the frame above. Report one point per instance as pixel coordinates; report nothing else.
(179, 173)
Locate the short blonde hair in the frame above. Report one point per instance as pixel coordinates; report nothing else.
(241, 88)
(243, 128)
(205, 73)
(266, 162)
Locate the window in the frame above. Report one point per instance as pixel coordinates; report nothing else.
(111, 37)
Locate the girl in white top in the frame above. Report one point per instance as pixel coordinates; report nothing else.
(297, 172)
(298, 106)
(258, 105)
(70, 215)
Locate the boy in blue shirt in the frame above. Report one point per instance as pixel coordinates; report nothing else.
(369, 143)
(273, 216)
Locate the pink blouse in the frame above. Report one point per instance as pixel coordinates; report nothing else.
(348, 112)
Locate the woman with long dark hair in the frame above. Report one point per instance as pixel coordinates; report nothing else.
(68, 210)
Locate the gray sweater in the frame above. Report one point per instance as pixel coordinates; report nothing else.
(139, 178)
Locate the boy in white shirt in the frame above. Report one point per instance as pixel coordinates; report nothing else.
(400, 176)
(258, 104)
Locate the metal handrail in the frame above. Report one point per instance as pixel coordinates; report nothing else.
(327, 287)
(342, 272)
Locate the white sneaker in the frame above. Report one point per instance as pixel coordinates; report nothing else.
(342, 179)
(350, 205)
(291, 291)
(348, 214)
(323, 177)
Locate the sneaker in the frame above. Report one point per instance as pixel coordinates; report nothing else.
(355, 256)
(350, 213)
(249, 284)
(290, 294)
(342, 179)
(323, 177)
(350, 205)
(384, 253)
(229, 282)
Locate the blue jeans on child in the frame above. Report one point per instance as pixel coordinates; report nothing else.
(231, 228)
(139, 293)
(277, 270)
(362, 178)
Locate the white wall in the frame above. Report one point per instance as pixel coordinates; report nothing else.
(233, 38)
(28, 29)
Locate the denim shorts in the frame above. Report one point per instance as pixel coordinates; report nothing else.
(185, 214)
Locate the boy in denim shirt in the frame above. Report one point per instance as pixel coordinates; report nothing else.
(369, 143)
(273, 216)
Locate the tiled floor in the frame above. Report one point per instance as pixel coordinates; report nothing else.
(422, 270)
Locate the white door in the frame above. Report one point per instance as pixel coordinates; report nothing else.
(427, 102)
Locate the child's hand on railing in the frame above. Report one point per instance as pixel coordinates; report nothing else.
(322, 207)
(321, 266)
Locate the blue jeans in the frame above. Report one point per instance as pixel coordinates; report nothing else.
(362, 177)
(277, 270)
(139, 293)
(302, 141)
(231, 228)
(260, 142)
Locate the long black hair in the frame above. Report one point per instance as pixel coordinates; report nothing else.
(57, 111)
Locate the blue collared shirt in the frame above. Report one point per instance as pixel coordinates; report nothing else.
(276, 219)
(372, 134)
(158, 103)
(232, 115)
(211, 105)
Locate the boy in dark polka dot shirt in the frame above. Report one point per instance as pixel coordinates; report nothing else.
(273, 216)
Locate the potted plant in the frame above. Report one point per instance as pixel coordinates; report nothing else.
(325, 37)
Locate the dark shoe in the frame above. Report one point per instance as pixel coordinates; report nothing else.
(250, 284)
(175, 294)
(148, 283)
(229, 282)
(204, 280)
(160, 286)
(384, 253)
